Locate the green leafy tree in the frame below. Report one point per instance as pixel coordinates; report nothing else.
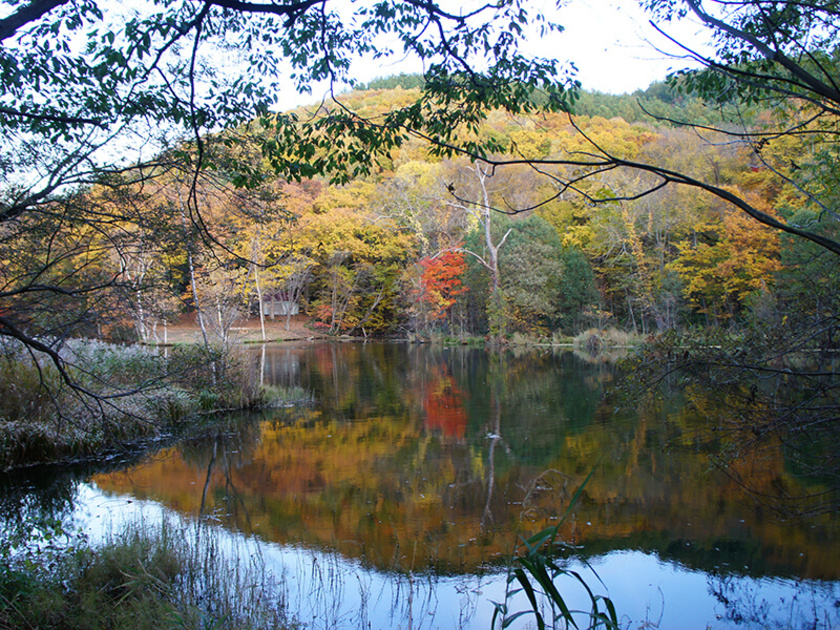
(535, 264)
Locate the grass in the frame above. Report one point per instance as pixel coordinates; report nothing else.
(144, 577)
(120, 395)
(597, 340)
(280, 396)
(536, 568)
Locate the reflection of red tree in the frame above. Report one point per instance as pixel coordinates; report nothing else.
(324, 359)
(443, 405)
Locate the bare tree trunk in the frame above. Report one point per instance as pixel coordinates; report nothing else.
(497, 315)
(141, 318)
(259, 301)
(207, 479)
(257, 285)
(223, 329)
(481, 211)
(632, 314)
(196, 299)
(191, 264)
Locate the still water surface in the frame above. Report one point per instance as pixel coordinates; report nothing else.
(393, 499)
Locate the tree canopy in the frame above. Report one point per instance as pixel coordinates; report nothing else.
(140, 136)
(777, 56)
(100, 94)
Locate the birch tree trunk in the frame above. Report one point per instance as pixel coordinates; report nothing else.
(254, 256)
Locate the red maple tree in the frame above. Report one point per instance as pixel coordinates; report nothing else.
(440, 283)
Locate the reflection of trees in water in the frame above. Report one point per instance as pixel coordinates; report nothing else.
(365, 471)
(766, 394)
(443, 405)
(238, 434)
(496, 380)
(32, 505)
(554, 412)
(494, 438)
(35, 501)
(777, 443)
(221, 452)
(749, 603)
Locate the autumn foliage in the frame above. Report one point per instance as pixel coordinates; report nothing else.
(411, 250)
(440, 283)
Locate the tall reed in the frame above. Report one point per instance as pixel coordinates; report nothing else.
(535, 571)
(171, 575)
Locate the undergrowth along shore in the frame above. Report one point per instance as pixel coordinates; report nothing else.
(590, 340)
(141, 577)
(114, 397)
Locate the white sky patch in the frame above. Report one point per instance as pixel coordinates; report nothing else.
(614, 46)
(611, 43)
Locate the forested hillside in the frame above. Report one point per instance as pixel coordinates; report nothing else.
(453, 246)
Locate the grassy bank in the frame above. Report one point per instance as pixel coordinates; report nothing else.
(144, 577)
(111, 396)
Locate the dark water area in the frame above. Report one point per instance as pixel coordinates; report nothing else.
(411, 473)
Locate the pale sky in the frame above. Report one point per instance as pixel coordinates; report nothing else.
(611, 42)
(614, 46)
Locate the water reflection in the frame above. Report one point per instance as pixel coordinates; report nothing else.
(421, 458)
(417, 468)
(326, 590)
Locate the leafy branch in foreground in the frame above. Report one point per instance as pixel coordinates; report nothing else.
(774, 76)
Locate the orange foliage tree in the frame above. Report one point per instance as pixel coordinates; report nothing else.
(440, 284)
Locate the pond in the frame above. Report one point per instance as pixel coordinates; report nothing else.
(394, 495)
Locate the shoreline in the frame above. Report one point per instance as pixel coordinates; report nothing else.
(247, 331)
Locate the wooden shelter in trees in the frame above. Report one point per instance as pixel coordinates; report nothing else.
(279, 304)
